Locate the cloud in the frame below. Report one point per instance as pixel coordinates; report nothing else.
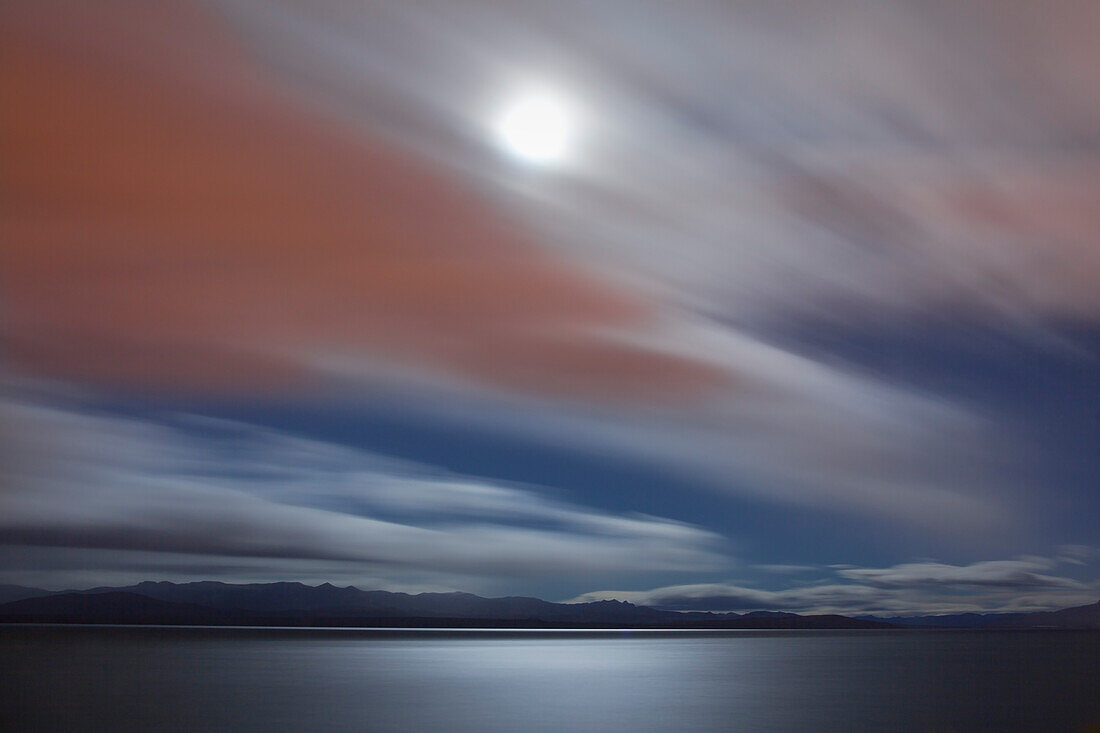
(311, 206)
(109, 482)
(621, 300)
(1078, 554)
(910, 588)
(1018, 574)
(723, 597)
(280, 233)
(785, 569)
(909, 158)
(796, 431)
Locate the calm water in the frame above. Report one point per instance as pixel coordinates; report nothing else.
(148, 679)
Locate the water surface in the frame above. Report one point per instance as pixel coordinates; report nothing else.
(191, 679)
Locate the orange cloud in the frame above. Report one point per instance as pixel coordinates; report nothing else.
(172, 220)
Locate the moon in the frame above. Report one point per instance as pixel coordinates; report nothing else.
(535, 128)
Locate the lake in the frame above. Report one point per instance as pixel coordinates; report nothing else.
(194, 679)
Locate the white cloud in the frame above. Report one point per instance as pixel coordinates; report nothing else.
(774, 173)
(119, 483)
(790, 430)
(906, 157)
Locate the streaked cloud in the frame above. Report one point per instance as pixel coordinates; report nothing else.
(1078, 554)
(1019, 574)
(233, 490)
(786, 568)
(242, 202)
(174, 228)
(998, 585)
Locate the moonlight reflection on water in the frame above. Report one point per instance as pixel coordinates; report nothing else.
(189, 679)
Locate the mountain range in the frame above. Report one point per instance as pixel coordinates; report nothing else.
(295, 604)
(1078, 617)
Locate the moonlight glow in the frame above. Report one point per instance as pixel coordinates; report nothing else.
(535, 128)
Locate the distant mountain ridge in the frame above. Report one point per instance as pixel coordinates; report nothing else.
(289, 598)
(113, 607)
(1077, 617)
(18, 592)
(296, 604)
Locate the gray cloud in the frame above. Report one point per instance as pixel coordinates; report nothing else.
(724, 597)
(1018, 574)
(785, 569)
(929, 587)
(1078, 554)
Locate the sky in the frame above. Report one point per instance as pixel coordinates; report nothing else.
(712, 306)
